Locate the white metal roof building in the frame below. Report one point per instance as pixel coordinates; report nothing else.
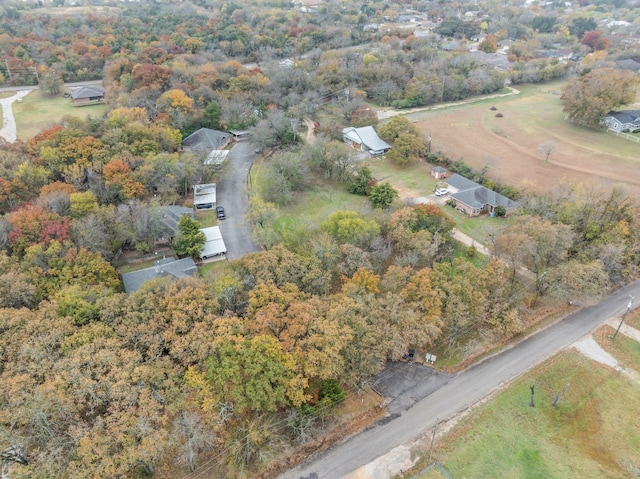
(204, 196)
(214, 244)
(366, 139)
(216, 157)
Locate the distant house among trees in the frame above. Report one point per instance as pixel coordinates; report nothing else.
(175, 268)
(625, 120)
(87, 95)
(474, 199)
(204, 196)
(206, 139)
(628, 64)
(365, 139)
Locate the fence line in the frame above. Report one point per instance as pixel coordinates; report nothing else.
(626, 136)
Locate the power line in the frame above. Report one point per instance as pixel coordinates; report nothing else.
(207, 466)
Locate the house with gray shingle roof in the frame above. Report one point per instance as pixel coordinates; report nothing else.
(206, 139)
(87, 95)
(625, 120)
(167, 218)
(474, 199)
(166, 267)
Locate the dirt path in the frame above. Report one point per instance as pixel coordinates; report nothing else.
(384, 114)
(310, 137)
(9, 131)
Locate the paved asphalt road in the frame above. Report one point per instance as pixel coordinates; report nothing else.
(36, 87)
(232, 194)
(463, 391)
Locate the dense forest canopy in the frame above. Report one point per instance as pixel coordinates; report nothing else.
(232, 365)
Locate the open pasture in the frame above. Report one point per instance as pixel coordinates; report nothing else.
(593, 433)
(39, 111)
(510, 146)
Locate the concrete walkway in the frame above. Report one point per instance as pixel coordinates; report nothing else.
(469, 241)
(628, 331)
(9, 131)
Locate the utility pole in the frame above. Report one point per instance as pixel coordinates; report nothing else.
(6, 62)
(533, 390)
(433, 439)
(623, 316)
(35, 69)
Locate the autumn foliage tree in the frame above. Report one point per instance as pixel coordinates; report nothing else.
(189, 239)
(589, 98)
(595, 41)
(33, 225)
(489, 44)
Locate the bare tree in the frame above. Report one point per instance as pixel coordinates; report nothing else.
(547, 149)
(192, 436)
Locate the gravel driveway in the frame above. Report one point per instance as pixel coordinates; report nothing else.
(233, 195)
(9, 131)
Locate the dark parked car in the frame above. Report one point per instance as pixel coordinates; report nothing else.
(220, 212)
(410, 355)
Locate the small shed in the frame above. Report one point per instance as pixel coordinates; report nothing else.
(438, 172)
(213, 244)
(204, 196)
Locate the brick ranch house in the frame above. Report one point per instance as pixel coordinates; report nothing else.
(474, 199)
(87, 95)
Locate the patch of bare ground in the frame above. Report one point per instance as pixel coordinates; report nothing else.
(407, 194)
(509, 146)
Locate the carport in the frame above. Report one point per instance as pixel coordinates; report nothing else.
(213, 245)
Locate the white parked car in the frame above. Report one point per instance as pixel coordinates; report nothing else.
(442, 192)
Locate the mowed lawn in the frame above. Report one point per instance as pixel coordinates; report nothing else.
(39, 111)
(509, 146)
(593, 433)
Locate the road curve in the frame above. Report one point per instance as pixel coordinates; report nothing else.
(468, 387)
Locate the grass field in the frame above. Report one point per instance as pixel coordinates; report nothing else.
(509, 146)
(312, 207)
(593, 433)
(39, 111)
